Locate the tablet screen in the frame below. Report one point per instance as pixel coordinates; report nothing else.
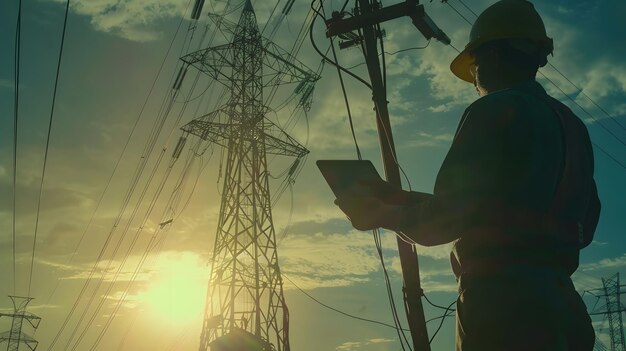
(341, 175)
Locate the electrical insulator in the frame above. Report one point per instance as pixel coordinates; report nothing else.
(179, 147)
(294, 166)
(299, 87)
(179, 78)
(197, 9)
(288, 6)
(307, 93)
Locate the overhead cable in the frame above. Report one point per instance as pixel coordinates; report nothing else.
(587, 96)
(105, 245)
(338, 310)
(468, 8)
(119, 159)
(334, 63)
(392, 303)
(157, 129)
(583, 109)
(339, 69)
(16, 85)
(442, 320)
(45, 158)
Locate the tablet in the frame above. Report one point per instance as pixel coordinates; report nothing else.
(341, 175)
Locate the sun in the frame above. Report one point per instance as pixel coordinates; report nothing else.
(177, 289)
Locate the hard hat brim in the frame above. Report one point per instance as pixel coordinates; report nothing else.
(460, 66)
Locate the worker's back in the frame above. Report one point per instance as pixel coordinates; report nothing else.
(508, 159)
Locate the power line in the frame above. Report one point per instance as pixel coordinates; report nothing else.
(129, 193)
(587, 96)
(16, 83)
(583, 109)
(334, 63)
(443, 318)
(151, 206)
(45, 159)
(457, 11)
(394, 311)
(438, 306)
(609, 155)
(338, 310)
(339, 69)
(468, 8)
(394, 53)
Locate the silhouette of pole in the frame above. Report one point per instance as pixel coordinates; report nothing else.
(370, 15)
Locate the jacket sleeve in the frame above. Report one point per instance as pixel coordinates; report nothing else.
(473, 174)
(590, 222)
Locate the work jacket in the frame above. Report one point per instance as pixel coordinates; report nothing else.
(516, 186)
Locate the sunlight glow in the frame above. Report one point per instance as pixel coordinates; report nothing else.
(177, 290)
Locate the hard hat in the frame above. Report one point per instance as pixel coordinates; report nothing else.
(506, 19)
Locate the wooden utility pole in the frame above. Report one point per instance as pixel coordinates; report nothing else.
(369, 17)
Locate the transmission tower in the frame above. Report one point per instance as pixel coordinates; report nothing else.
(16, 337)
(245, 307)
(612, 310)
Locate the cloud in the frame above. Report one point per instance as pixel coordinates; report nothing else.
(359, 345)
(133, 20)
(606, 263)
(343, 259)
(424, 139)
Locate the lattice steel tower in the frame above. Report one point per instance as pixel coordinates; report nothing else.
(614, 310)
(245, 303)
(16, 337)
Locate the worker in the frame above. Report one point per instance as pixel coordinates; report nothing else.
(515, 194)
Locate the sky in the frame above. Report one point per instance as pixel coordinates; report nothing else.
(116, 75)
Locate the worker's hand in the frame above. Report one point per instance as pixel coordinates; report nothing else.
(368, 212)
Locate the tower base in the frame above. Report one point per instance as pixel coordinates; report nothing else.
(240, 340)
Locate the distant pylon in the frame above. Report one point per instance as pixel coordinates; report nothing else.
(16, 337)
(245, 307)
(614, 310)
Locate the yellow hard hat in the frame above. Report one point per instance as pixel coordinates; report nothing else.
(506, 19)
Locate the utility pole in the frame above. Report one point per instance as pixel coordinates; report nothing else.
(16, 337)
(245, 307)
(611, 291)
(370, 15)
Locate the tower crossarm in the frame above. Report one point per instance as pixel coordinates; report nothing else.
(223, 24)
(287, 68)
(216, 62)
(214, 132)
(277, 142)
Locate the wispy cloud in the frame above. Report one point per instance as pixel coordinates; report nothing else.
(606, 263)
(358, 345)
(343, 259)
(134, 20)
(424, 139)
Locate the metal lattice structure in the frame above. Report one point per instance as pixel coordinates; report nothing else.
(16, 337)
(614, 310)
(245, 295)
